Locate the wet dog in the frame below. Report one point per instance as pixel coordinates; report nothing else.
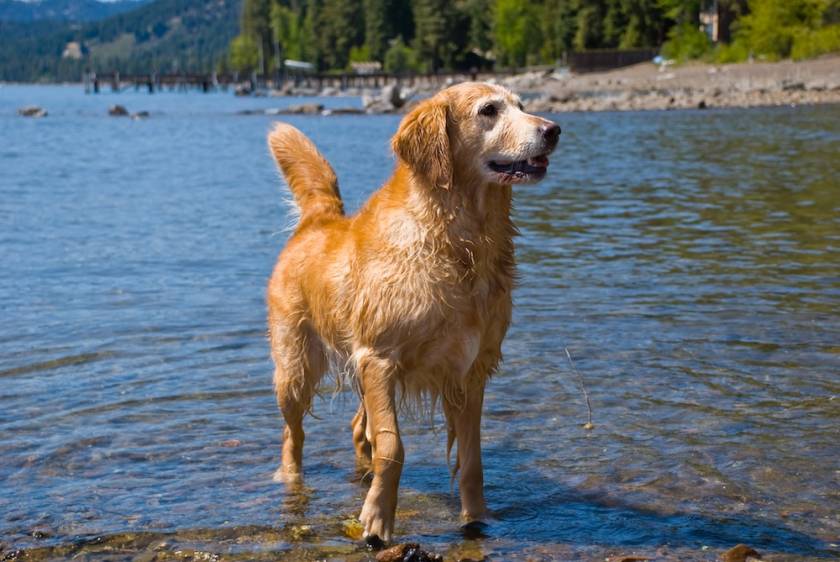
(414, 290)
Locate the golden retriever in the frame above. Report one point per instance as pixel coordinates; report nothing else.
(413, 292)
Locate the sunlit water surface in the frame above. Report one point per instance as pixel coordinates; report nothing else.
(689, 262)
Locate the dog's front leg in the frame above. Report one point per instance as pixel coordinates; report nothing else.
(465, 421)
(378, 386)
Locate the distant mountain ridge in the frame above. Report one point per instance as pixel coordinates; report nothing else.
(64, 10)
(163, 36)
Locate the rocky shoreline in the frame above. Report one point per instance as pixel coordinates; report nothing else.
(652, 87)
(645, 86)
(641, 87)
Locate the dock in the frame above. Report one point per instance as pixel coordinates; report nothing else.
(153, 82)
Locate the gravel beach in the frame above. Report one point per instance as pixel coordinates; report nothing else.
(694, 85)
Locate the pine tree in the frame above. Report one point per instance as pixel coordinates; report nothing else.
(432, 40)
(309, 47)
(589, 24)
(645, 24)
(479, 14)
(255, 23)
(517, 32)
(559, 27)
(377, 27)
(342, 28)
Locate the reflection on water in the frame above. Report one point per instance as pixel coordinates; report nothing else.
(690, 262)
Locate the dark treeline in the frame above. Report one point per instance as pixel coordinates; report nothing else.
(430, 35)
(173, 36)
(164, 36)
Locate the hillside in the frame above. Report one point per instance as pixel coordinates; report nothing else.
(163, 35)
(63, 10)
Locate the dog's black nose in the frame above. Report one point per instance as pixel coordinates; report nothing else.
(551, 134)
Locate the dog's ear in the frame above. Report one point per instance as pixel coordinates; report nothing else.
(422, 142)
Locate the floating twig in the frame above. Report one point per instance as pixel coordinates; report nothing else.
(589, 424)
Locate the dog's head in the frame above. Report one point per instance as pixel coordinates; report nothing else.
(475, 130)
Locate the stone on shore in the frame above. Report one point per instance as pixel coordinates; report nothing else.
(117, 111)
(344, 111)
(740, 553)
(407, 552)
(391, 98)
(243, 90)
(304, 109)
(32, 111)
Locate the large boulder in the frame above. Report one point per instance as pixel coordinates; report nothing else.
(391, 98)
(32, 111)
(244, 89)
(305, 109)
(118, 111)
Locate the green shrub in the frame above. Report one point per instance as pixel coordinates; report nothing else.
(777, 29)
(516, 28)
(244, 53)
(359, 53)
(400, 58)
(734, 52)
(685, 41)
(816, 42)
(286, 31)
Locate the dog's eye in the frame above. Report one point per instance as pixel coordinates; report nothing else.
(488, 110)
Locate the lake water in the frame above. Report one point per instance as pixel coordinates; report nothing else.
(689, 261)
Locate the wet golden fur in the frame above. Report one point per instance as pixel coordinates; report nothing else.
(413, 291)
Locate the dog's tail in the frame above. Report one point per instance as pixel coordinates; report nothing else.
(310, 177)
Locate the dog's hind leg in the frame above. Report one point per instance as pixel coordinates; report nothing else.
(299, 364)
(360, 440)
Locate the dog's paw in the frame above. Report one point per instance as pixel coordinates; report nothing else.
(373, 542)
(475, 530)
(287, 476)
(377, 516)
(477, 514)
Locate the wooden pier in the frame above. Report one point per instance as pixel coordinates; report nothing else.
(153, 82)
(293, 79)
(317, 82)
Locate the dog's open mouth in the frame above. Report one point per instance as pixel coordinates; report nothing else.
(533, 168)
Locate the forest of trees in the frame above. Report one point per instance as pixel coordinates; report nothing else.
(165, 36)
(430, 35)
(169, 36)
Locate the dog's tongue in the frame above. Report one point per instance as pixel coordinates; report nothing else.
(538, 161)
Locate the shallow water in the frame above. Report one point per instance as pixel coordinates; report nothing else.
(689, 261)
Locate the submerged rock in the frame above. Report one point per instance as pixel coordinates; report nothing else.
(343, 111)
(32, 111)
(117, 111)
(304, 109)
(40, 533)
(407, 552)
(740, 553)
(243, 90)
(300, 532)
